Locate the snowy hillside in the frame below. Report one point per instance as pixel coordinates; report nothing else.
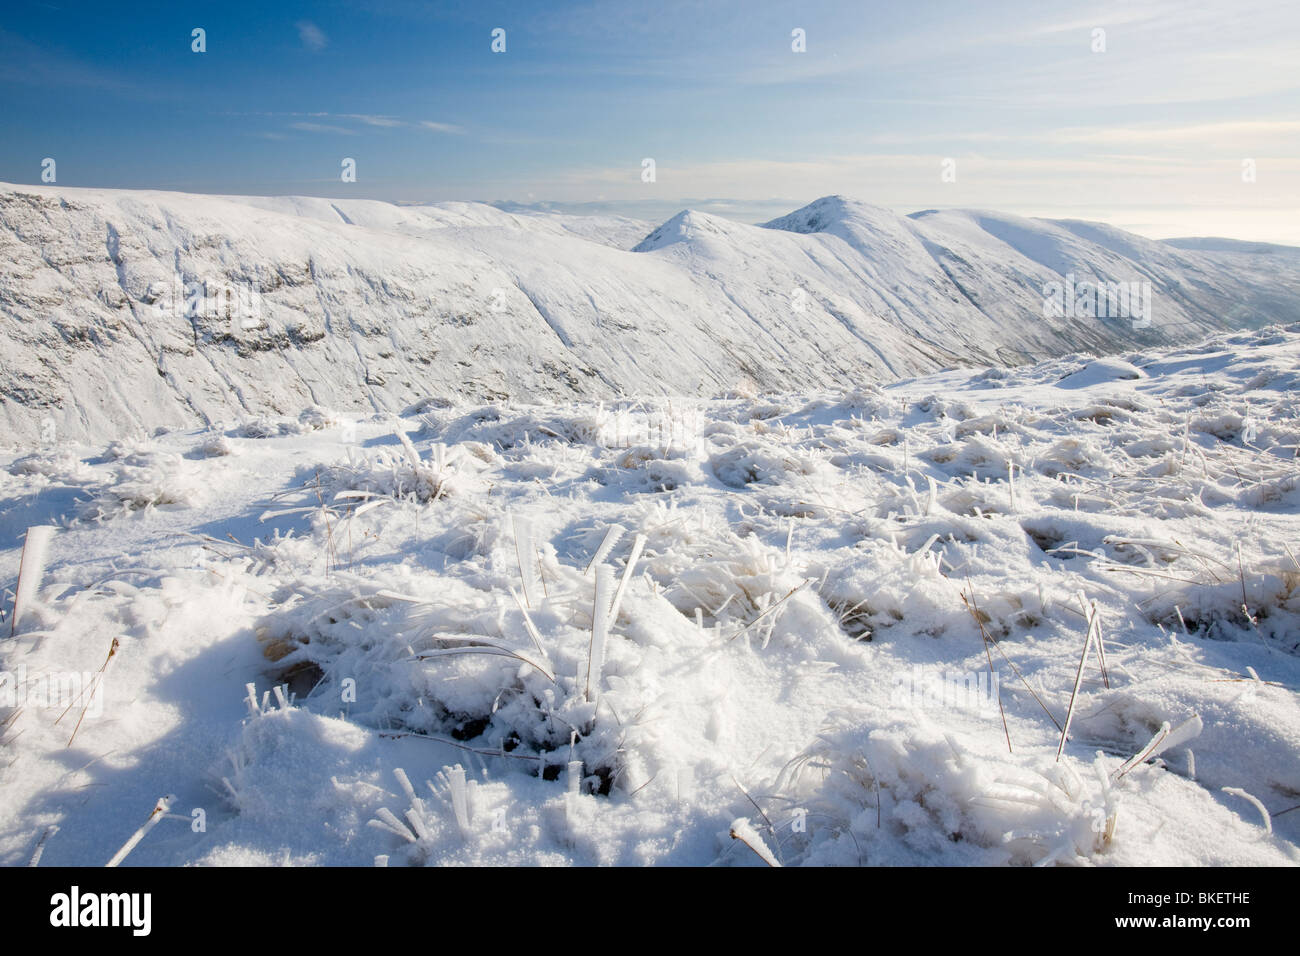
(126, 310)
(742, 630)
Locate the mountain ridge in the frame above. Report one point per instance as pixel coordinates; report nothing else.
(366, 306)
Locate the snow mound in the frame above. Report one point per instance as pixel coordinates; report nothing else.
(1101, 372)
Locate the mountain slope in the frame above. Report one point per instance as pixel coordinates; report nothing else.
(369, 306)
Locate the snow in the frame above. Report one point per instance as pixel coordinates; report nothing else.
(1100, 372)
(794, 628)
(368, 307)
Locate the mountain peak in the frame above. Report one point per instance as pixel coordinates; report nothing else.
(820, 215)
(838, 215)
(689, 224)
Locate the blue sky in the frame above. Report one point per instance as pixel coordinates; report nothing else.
(1150, 133)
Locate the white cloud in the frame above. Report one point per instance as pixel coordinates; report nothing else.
(1108, 188)
(371, 119)
(321, 128)
(1218, 134)
(312, 37)
(440, 127)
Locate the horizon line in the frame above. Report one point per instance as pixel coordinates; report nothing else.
(683, 205)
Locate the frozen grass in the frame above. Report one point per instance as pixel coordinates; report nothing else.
(691, 632)
(402, 473)
(31, 571)
(143, 481)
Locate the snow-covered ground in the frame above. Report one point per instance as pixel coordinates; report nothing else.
(739, 631)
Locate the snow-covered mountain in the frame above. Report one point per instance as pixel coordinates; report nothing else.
(122, 310)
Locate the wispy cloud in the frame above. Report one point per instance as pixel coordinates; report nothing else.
(377, 121)
(440, 127)
(1231, 133)
(322, 128)
(396, 122)
(348, 123)
(908, 182)
(312, 37)
(371, 119)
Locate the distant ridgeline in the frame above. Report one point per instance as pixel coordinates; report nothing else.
(123, 310)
